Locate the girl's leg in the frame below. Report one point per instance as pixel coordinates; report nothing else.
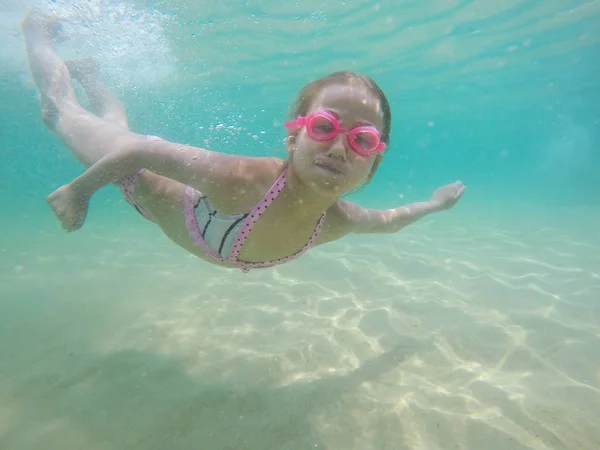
(88, 136)
(103, 102)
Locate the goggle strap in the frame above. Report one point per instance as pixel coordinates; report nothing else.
(297, 123)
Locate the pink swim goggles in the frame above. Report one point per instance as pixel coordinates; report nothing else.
(324, 126)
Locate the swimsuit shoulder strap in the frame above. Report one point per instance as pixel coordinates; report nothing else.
(256, 212)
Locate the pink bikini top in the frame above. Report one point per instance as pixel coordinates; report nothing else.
(191, 222)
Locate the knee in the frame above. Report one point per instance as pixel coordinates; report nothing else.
(50, 113)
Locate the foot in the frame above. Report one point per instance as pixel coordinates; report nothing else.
(38, 23)
(69, 206)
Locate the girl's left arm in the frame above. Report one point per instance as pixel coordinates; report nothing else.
(364, 220)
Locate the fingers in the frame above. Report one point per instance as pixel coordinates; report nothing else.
(460, 188)
(72, 225)
(78, 223)
(72, 222)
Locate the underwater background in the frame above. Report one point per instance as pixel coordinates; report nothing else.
(476, 328)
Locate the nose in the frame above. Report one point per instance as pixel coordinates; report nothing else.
(337, 148)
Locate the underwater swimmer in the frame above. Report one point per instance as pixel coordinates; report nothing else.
(234, 211)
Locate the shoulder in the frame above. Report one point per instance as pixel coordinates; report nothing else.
(252, 173)
(243, 182)
(338, 222)
(254, 170)
(346, 213)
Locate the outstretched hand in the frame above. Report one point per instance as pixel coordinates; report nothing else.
(447, 196)
(69, 206)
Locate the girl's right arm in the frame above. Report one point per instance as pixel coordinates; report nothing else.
(202, 169)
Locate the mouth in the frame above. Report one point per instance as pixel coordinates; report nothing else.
(328, 168)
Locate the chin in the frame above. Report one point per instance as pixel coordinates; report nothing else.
(327, 184)
(328, 189)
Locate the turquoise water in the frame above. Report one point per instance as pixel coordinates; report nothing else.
(474, 329)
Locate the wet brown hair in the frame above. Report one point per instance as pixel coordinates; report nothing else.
(310, 91)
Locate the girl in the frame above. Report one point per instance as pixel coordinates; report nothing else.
(234, 211)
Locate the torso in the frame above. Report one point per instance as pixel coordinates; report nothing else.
(278, 233)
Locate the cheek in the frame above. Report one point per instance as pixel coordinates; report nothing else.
(307, 146)
(361, 163)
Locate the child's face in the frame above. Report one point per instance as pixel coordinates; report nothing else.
(333, 167)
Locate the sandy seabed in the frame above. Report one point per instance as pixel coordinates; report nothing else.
(460, 332)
